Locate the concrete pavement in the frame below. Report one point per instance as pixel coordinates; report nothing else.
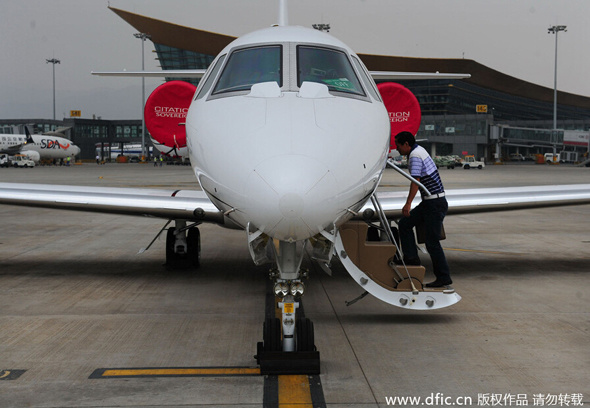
(76, 297)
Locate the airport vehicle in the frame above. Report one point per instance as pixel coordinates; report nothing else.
(273, 136)
(20, 160)
(517, 157)
(470, 162)
(568, 157)
(444, 161)
(4, 162)
(38, 147)
(400, 161)
(551, 158)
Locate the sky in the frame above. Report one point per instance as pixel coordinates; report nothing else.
(507, 35)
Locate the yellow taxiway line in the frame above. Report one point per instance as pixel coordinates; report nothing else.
(294, 391)
(163, 372)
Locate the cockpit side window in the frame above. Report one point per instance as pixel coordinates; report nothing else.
(369, 83)
(209, 80)
(250, 66)
(329, 67)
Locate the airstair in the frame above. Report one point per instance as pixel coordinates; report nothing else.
(372, 264)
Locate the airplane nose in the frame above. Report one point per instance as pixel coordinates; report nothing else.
(291, 205)
(294, 196)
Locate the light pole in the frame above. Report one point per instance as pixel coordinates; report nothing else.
(555, 30)
(53, 61)
(143, 37)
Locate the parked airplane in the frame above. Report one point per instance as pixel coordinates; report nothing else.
(288, 138)
(129, 149)
(38, 146)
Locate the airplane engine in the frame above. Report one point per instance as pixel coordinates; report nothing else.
(32, 155)
(403, 109)
(165, 114)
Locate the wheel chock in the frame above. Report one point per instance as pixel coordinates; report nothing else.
(292, 362)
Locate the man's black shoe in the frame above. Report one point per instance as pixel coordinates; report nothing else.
(438, 284)
(410, 262)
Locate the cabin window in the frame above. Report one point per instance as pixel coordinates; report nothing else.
(329, 67)
(250, 66)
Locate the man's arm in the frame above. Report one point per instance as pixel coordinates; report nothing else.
(413, 191)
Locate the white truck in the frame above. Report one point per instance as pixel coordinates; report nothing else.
(20, 160)
(551, 158)
(469, 162)
(4, 162)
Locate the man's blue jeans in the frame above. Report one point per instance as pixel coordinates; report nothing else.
(431, 213)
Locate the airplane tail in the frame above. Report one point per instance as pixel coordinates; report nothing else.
(29, 138)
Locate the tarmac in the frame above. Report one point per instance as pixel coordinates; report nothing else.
(77, 300)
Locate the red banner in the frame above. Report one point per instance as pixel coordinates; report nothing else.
(165, 109)
(403, 109)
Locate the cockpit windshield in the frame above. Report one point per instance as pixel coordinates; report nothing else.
(329, 67)
(250, 66)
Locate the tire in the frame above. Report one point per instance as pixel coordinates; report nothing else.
(271, 334)
(193, 241)
(305, 335)
(480, 167)
(466, 167)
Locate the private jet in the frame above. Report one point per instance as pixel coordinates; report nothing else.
(288, 138)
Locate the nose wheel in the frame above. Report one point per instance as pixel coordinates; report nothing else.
(271, 335)
(305, 335)
(288, 344)
(272, 339)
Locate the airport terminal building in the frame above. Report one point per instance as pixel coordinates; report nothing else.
(490, 115)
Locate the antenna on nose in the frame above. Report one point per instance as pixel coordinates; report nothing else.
(283, 13)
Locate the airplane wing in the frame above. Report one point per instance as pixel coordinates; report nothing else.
(12, 150)
(399, 76)
(195, 205)
(180, 204)
(198, 73)
(171, 73)
(466, 201)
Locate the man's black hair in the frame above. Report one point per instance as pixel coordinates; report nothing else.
(404, 137)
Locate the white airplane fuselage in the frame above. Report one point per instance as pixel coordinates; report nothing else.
(48, 147)
(288, 155)
(52, 147)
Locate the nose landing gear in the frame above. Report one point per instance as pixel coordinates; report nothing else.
(271, 356)
(288, 343)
